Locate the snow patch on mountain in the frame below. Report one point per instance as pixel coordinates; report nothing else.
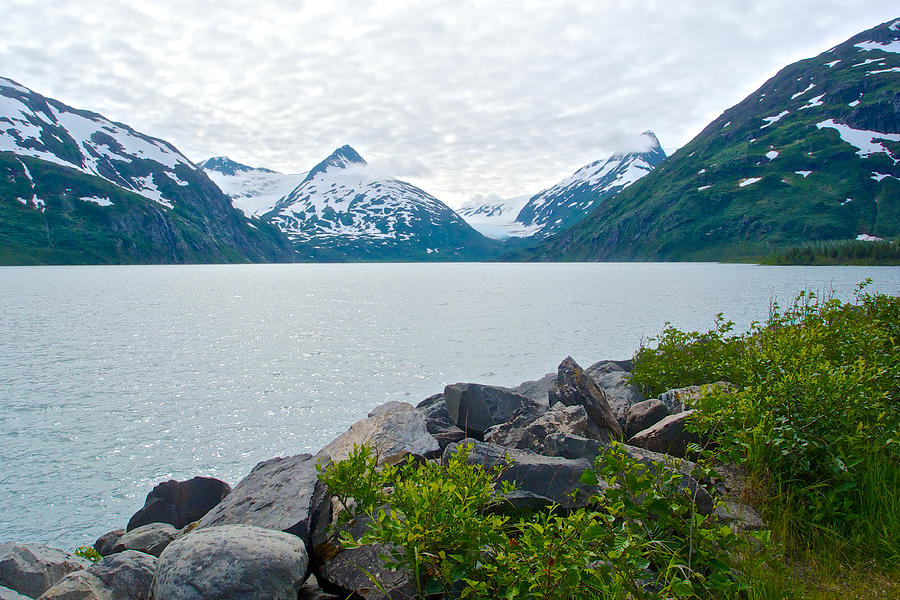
(864, 141)
(496, 218)
(893, 46)
(252, 190)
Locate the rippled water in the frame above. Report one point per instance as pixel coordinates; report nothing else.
(113, 379)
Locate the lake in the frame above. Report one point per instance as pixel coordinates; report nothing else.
(113, 379)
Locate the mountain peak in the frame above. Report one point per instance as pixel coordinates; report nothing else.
(341, 158)
(226, 166)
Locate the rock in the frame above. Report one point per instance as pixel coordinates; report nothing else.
(570, 446)
(275, 495)
(526, 433)
(238, 562)
(667, 436)
(151, 538)
(681, 399)
(573, 387)
(32, 569)
(124, 576)
(474, 407)
(339, 571)
(645, 414)
(79, 585)
(8, 594)
(106, 542)
(389, 407)
(541, 480)
(395, 431)
(537, 390)
(180, 502)
(613, 380)
(740, 517)
(437, 421)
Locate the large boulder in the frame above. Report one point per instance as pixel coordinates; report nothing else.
(32, 569)
(475, 408)
(150, 539)
(541, 480)
(437, 421)
(107, 542)
(124, 576)
(275, 495)
(645, 414)
(395, 430)
(668, 436)
(572, 446)
(537, 390)
(612, 378)
(238, 562)
(526, 433)
(573, 387)
(180, 502)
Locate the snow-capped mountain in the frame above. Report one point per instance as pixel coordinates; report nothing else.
(496, 218)
(570, 200)
(253, 190)
(99, 191)
(812, 155)
(346, 205)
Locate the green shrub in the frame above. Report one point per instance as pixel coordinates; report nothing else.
(88, 553)
(815, 415)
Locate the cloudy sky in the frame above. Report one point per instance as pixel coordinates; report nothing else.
(464, 98)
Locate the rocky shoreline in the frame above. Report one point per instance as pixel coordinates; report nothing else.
(275, 534)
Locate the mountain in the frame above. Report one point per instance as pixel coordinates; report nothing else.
(78, 188)
(495, 218)
(811, 155)
(253, 190)
(345, 207)
(569, 201)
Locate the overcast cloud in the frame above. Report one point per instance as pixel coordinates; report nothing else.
(460, 97)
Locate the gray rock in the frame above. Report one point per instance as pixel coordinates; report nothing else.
(106, 542)
(275, 495)
(613, 380)
(740, 517)
(395, 431)
(526, 433)
(437, 421)
(537, 390)
(8, 594)
(79, 585)
(542, 480)
(32, 569)
(475, 408)
(389, 407)
(573, 387)
(645, 414)
(180, 502)
(667, 436)
(150, 539)
(570, 446)
(681, 399)
(238, 562)
(342, 571)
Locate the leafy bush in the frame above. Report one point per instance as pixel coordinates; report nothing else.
(816, 413)
(88, 553)
(641, 537)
